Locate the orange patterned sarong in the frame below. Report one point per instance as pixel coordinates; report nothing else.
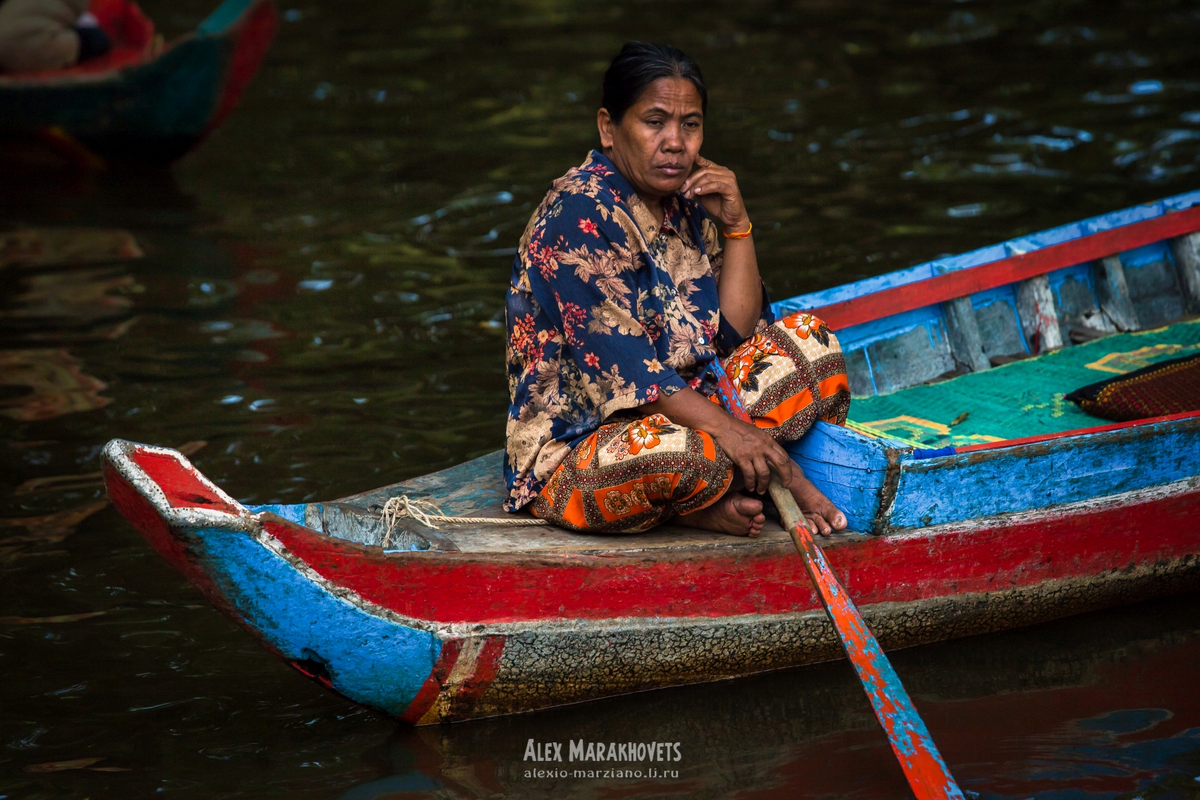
(631, 475)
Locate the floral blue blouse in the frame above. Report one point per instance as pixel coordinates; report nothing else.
(607, 310)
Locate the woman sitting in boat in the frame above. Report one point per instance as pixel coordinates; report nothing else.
(624, 311)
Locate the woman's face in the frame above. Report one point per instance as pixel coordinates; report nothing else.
(656, 142)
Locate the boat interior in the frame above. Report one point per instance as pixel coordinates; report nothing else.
(1019, 399)
(995, 365)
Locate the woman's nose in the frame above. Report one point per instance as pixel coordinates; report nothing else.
(673, 138)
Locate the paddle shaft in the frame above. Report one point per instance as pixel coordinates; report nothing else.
(914, 748)
(910, 740)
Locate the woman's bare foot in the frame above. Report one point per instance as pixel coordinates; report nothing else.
(822, 515)
(734, 514)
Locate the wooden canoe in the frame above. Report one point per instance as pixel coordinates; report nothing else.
(959, 528)
(141, 103)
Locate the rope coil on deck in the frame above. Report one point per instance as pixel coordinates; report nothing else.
(426, 513)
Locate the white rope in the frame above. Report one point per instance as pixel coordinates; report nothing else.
(426, 513)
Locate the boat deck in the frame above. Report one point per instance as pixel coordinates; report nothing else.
(476, 489)
(1020, 399)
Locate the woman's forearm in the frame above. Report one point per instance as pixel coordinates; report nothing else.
(740, 287)
(689, 407)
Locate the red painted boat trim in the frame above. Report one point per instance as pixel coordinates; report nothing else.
(182, 486)
(961, 283)
(498, 588)
(464, 692)
(428, 693)
(1116, 426)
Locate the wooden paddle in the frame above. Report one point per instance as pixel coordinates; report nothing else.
(910, 740)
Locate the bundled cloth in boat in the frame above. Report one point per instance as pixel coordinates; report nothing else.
(1169, 387)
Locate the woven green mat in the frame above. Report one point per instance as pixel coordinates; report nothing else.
(1021, 399)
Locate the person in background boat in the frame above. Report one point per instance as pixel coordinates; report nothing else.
(622, 309)
(39, 35)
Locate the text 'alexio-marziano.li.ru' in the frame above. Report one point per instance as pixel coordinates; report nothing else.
(579, 750)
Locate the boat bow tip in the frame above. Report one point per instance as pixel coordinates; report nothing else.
(146, 482)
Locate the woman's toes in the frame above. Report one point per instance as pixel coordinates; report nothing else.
(747, 506)
(818, 523)
(822, 513)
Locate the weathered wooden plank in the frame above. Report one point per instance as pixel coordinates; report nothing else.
(476, 488)
(1113, 293)
(1069, 469)
(960, 283)
(1186, 251)
(1153, 284)
(999, 324)
(963, 331)
(858, 371)
(472, 488)
(909, 358)
(1076, 303)
(1039, 315)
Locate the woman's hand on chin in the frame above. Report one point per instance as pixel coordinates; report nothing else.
(717, 190)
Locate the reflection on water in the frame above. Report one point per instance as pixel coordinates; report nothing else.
(56, 383)
(1014, 725)
(318, 295)
(51, 247)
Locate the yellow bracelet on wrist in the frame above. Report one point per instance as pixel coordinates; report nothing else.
(741, 235)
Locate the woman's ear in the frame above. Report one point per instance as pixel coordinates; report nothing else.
(605, 124)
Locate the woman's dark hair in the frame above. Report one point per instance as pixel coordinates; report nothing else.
(640, 64)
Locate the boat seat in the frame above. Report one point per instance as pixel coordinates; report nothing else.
(1020, 399)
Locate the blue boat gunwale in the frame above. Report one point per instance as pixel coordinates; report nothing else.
(883, 488)
(989, 254)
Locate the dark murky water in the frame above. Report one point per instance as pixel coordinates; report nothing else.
(317, 307)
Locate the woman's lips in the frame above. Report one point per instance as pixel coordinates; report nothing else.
(670, 169)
